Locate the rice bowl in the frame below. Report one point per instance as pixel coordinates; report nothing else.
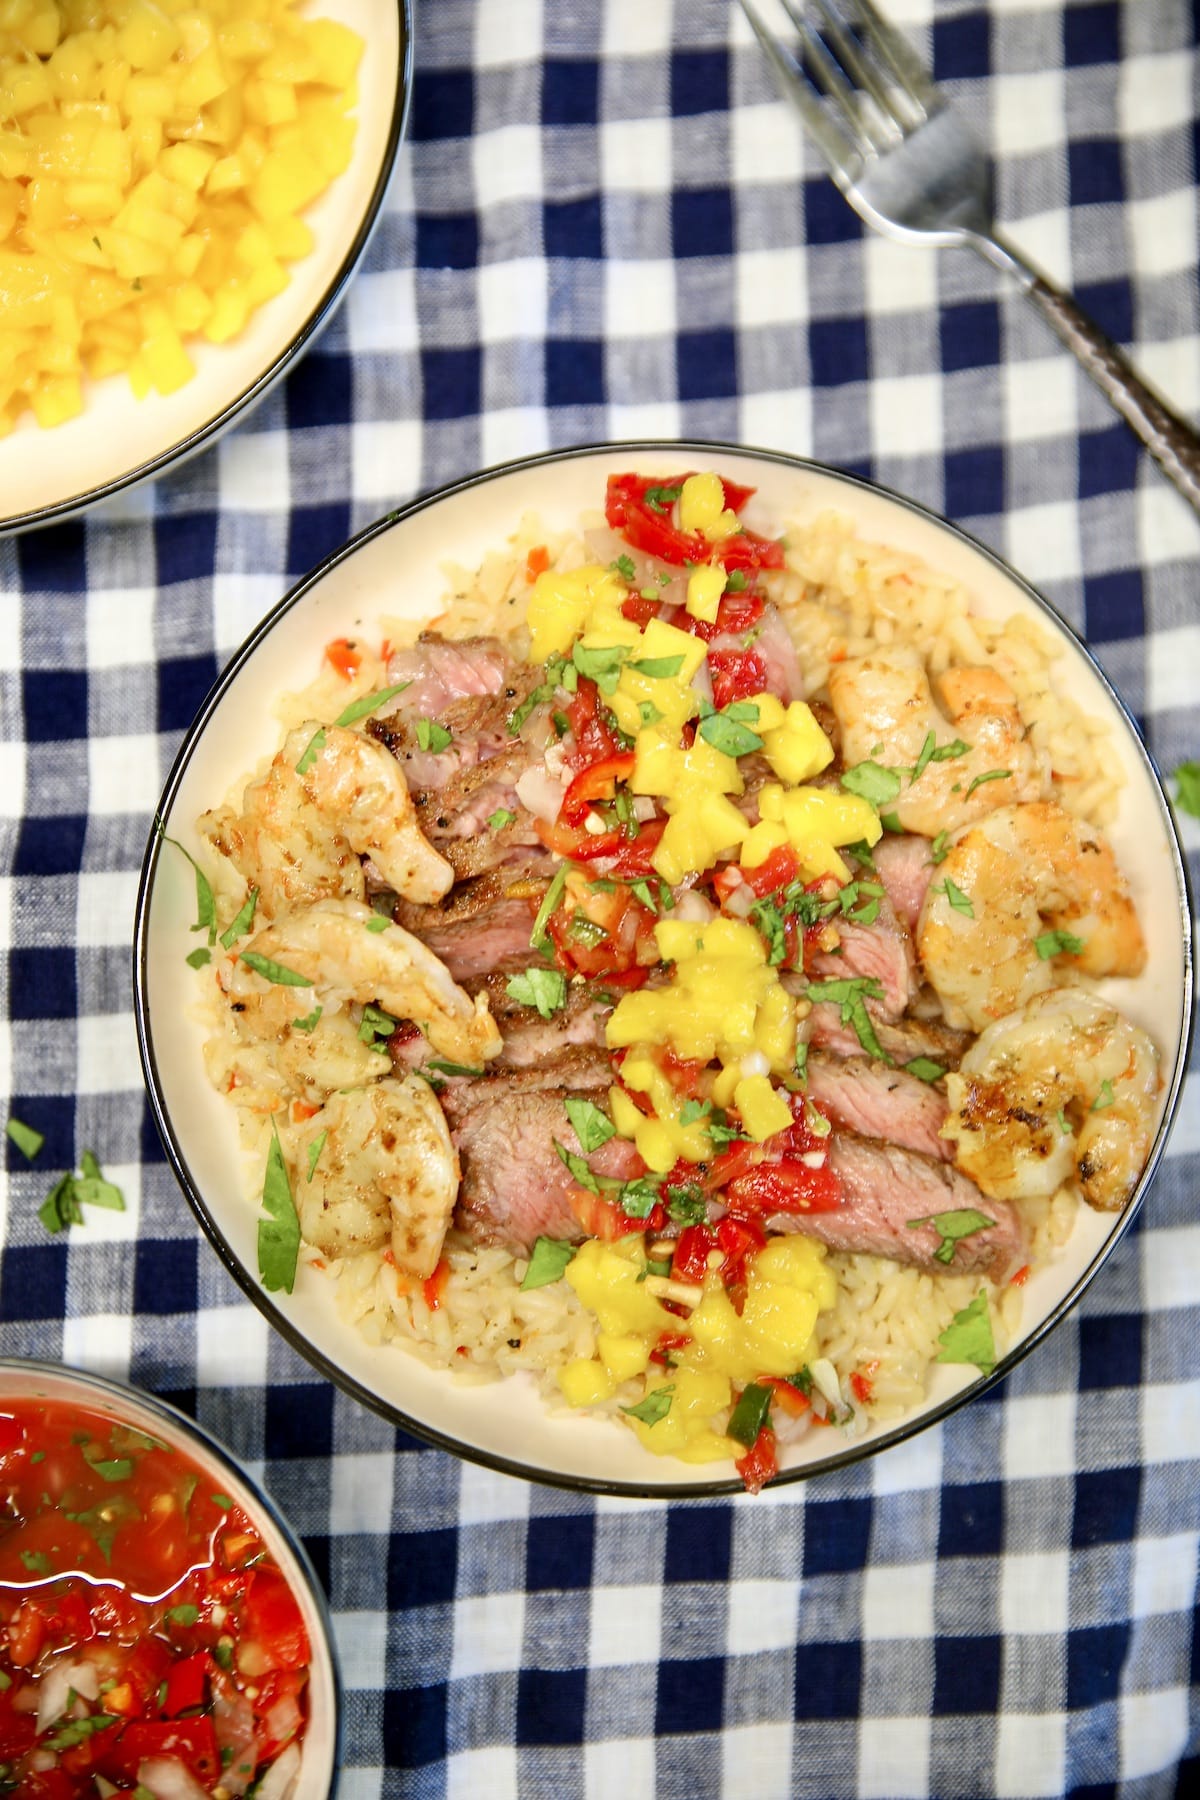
(508, 1426)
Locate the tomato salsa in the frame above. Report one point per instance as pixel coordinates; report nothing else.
(149, 1644)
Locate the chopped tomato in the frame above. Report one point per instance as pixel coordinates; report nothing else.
(280, 1717)
(640, 608)
(692, 1250)
(780, 867)
(26, 1634)
(47, 1784)
(597, 782)
(737, 614)
(434, 1286)
(645, 521)
(344, 655)
(604, 1219)
(736, 675)
(187, 1684)
(192, 1741)
(682, 1072)
(860, 1387)
(536, 563)
(739, 1239)
(669, 1341)
(759, 1464)
(271, 1616)
(788, 1186)
(593, 728)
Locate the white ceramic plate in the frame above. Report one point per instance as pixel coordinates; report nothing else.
(321, 1745)
(118, 440)
(507, 1426)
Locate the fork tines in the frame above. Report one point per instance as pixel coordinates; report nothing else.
(858, 84)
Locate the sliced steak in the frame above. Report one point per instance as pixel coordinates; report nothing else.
(440, 670)
(901, 1039)
(515, 1187)
(881, 951)
(905, 869)
(874, 1101)
(531, 1041)
(481, 926)
(885, 1188)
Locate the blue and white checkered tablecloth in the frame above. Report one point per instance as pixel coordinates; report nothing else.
(605, 224)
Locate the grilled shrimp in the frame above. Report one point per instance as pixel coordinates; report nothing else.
(1064, 1088)
(1014, 894)
(886, 712)
(344, 952)
(330, 797)
(383, 1170)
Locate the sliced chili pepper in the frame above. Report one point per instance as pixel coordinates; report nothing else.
(596, 782)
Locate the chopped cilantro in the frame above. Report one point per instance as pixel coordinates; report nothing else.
(852, 997)
(927, 750)
(577, 1167)
(872, 782)
(279, 1232)
(658, 668)
(376, 1028)
(638, 1198)
(443, 1067)
(963, 1222)
(242, 923)
(546, 989)
(958, 900)
(1056, 943)
(661, 499)
(432, 736)
(1187, 788)
(185, 1615)
(938, 848)
(925, 1069)
(64, 1203)
(623, 566)
(968, 1337)
(37, 1562)
(591, 1126)
(1104, 1098)
(27, 1140)
(206, 905)
(729, 730)
(378, 922)
(736, 581)
(693, 1110)
(196, 959)
(991, 775)
(550, 900)
(314, 1154)
(547, 1262)
(601, 664)
(655, 1406)
(312, 750)
(274, 971)
(687, 1205)
(502, 816)
(358, 709)
(309, 1021)
(1063, 1126)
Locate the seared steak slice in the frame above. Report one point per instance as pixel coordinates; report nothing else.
(885, 1188)
(441, 670)
(905, 869)
(881, 951)
(479, 927)
(515, 1187)
(875, 1101)
(530, 1040)
(902, 1039)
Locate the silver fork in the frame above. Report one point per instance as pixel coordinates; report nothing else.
(911, 168)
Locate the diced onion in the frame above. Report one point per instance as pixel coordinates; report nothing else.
(168, 1779)
(280, 1778)
(56, 1685)
(825, 1376)
(539, 793)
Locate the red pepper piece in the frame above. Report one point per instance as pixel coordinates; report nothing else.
(597, 782)
(739, 1239)
(187, 1684)
(759, 1464)
(592, 733)
(692, 1249)
(647, 526)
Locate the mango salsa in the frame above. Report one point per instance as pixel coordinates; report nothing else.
(155, 156)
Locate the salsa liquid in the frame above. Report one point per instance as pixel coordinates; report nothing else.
(145, 1630)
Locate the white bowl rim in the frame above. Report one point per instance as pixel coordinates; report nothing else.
(110, 1394)
(58, 511)
(854, 1451)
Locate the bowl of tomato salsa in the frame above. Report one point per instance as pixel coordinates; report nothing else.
(162, 1632)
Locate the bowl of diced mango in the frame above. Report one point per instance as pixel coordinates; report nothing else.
(186, 188)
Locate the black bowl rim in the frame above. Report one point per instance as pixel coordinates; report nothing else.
(185, 448)
(853, 1452)
(120, 1393)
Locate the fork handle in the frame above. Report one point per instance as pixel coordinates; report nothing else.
(1171, 441)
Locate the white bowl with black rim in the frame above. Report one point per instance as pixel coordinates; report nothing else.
(507, 1426)
(118, 440)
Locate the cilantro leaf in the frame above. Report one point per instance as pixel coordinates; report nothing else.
(1055, 943)
(279, 1232)
(925, 1069)
(502, 816)
(196, 959)
(658, 668)
(638, 1198)
(358, 709)
(546, 989)
(601, 664)
(872, 782)
(206, 905)
(729, 731)
(442, 1067)
(1187, 788)
(242, 923)
(309, 1021)
(991, 775)
(962, 1222)
(27, 1140)
(660, 499)
(655, 1406)
(550, 900)
(623, 566)
(274, 971)
(938, 850)
(314, 1154)
(432, 736)
(591, 1126)
(958, 900)
(312, 750)
(547, 1262)
(852, 997)
(968, 1337)
(577, 1167)
(1104, 1098)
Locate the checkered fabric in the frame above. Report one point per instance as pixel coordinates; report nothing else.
(605, 224)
